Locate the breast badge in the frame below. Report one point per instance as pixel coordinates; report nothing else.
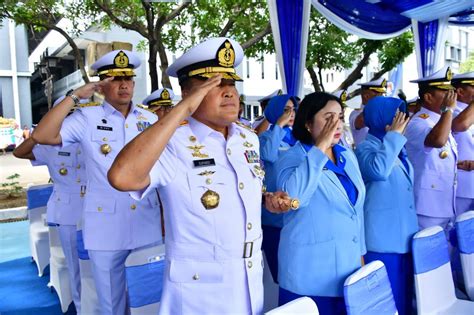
(105, 149)
(63, 171)
(210, 200)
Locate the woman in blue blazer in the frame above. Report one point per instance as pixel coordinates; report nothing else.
(390, 216)
(280, 113)
(321, 242)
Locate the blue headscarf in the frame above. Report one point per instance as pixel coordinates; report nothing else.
(378, 113)
(275, 109)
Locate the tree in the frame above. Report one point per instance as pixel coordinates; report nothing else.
(174, 26)
(468, 64)
(44, 15)
(332, 48)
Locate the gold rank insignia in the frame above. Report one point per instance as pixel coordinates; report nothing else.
(244, 126)
(226, 55)
(210, 199)
(248, 144)
(197, 151)
(424, 115)
(121, 60)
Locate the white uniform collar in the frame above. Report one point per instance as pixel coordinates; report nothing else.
(109, 109)
(201, 130)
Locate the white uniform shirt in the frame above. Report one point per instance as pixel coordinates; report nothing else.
(435, 177)
(465, 141)
(206, 272)
(67, 170)
(358, 135)
(112, 219)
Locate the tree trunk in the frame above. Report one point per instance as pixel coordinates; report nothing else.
(356, 74)
(165, 79)
(314, 78)
(153, 49)
(76, 51)
(320, 75)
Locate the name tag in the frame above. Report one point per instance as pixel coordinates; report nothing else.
(205, 162)
(64, 153)
(104, 128)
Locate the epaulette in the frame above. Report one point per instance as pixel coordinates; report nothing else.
(183, 123)
(245, 126)
(424, 115)
(89, 104)
(259, 117)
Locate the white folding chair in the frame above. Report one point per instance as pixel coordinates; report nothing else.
(368, 291)
(89, 299)
(59, 275)
(144, 269)
(465, 233)
(270, 288)
(303, 305)
(37, 198)
(434, 284)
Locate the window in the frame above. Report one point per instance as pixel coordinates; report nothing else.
(262, 65)
(276, 71)
(247, 62)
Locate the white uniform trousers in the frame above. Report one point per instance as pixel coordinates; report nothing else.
(68, 237)
(463, 205)
(108, 268)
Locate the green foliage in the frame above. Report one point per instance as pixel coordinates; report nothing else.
(11, 188)
(468, 64)
(395, 50)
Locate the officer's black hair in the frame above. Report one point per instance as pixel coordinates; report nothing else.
(309, 107)
(423, 89)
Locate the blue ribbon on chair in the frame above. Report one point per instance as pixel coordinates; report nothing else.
(370, 295)
(430, 252)
(465, 233)
(81, 251)
(145, 283)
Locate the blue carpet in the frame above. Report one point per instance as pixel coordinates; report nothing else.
(14, 240)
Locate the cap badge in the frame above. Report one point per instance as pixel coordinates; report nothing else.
(344, 96)
(226, 55)
(121, 60)
(384, 83)
(449, 74)
(165, 95)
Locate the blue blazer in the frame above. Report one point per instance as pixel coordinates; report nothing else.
(390, 214)
(271, 147)
(322, 242)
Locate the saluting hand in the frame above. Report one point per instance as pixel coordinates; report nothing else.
(450, 99)
(277, 202)
(399, 123)
(87, 90)
(325, 138)
(285, 118)
(466, 165)
(197, 94)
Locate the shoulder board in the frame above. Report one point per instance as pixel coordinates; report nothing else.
(424, 115)
(90, 104)
(245, 126)
(183, 123)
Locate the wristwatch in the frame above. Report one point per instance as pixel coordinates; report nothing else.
(74, 97)
(445, 108)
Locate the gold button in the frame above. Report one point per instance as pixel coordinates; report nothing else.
(196, 277)
(229, 152)
(249, 264)
(99, 209)
(249, 226)
(104, 139)
(126, 125)
(208, 181)
(133, 207)
(79, 166)
(241, 185)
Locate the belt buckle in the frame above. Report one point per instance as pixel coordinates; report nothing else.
(248, 249)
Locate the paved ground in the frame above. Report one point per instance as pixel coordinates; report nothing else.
(10, 165)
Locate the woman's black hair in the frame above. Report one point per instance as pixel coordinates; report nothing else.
(309, 107)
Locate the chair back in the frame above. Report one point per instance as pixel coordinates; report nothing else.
(465, 234)
(302, 305)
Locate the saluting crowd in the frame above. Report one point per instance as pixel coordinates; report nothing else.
(318, 198)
